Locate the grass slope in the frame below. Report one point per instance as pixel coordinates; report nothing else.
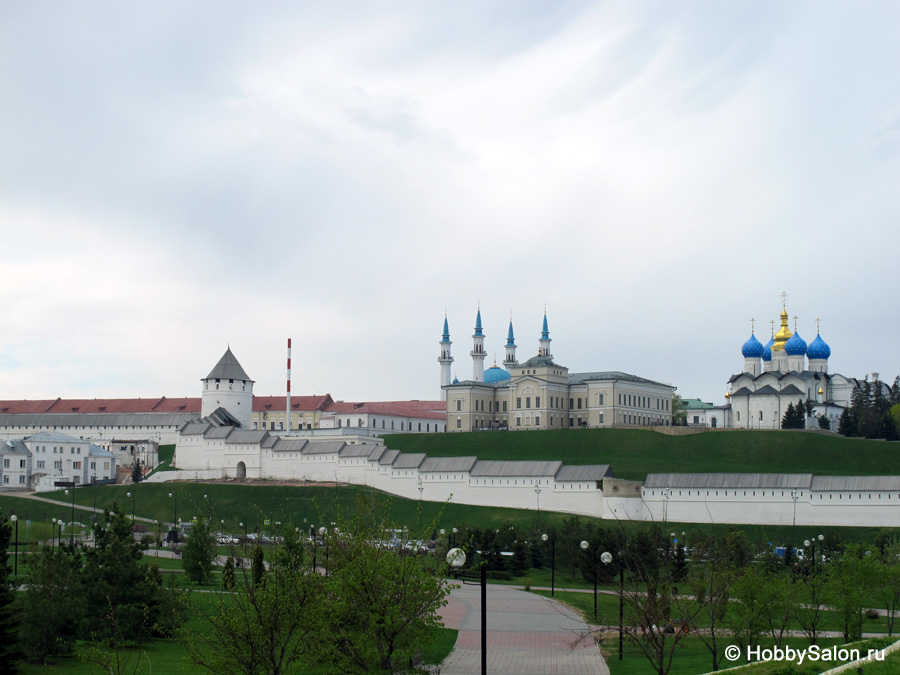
(633, 453)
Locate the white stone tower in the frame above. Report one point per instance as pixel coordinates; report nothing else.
(445, 359)
(477, 352)
(510, 359)
(228, 386)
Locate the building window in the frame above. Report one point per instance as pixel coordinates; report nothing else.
(601, 418)
(527, 401)
(760, 415)
(458, 424)
(401, 426)
(458, 404)
(40, 464)
(537, 420)
(281, 426)
(392, 425)
(21, 480)
(504, 406)
(579, 404)
(382, 424)
(600, 399)
(5, 463)
(537, 401)
(255, 425)
(519, 402)
(518, 421)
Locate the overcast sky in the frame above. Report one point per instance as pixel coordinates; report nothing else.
(176, 177)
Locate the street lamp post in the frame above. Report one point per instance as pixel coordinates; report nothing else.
(544, 538)
(174, 495)
(15, 519)
(133, 496)
(584, 547)
(537, 492)
(606, 558)
(456, 558)
(322, 532)
(245, 537)
(72, 535)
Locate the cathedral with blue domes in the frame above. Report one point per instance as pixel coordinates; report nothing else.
(786, 370)
(541, 394)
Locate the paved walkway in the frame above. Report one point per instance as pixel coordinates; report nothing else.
(527, 634)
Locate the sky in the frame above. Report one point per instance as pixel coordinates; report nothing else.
(178, 177)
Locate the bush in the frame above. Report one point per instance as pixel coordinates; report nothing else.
(872, 613)
(501, 575)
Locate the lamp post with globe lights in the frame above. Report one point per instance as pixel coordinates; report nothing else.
(174, 537)
(544, 538)
(72, 520)
(15, 519)
(606, 558)
(456, 558)
(584, 547)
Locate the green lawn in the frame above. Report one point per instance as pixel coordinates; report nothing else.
(633, 453)
(312, 506)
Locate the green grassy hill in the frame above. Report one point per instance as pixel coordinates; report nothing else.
(633, 453)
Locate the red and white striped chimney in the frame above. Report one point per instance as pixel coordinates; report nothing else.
(288, 403)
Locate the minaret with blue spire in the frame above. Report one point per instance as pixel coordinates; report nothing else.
(544, 348)
(445, 359)
(477, 352)
(510, 359)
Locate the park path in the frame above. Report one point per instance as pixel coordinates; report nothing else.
(527, 634)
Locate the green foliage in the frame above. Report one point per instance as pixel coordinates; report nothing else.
(290, 551)
(258, 565)
(199, 552)
(52, 604)
(136, 475)
(381, 603)
(679, 414)
(795, 416)
(123, 597)
(260, 627)
(9, 651)
(228, 578)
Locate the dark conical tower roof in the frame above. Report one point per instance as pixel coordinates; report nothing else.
(228, 368)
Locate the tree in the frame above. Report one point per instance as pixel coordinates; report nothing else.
(136, 475)
(710, 583)
(228, 578)
(747, 616)
(259, 628)
(123, 597)
(380, 604)
(199, 552)
(824, 423)
(290, 553)
(679, 414)
(52, 605)
(811, 592)
(9, 651)
(258, 565)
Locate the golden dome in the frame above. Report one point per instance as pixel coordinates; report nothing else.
(820, 391)
(784, 334)
(727, 395)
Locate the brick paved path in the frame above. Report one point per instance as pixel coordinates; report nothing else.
(527, 634)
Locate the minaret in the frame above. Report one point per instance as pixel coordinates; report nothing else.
(544, 348)
(510, 359)
(477, 352)
(445, 359)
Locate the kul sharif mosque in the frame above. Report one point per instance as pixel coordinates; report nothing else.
(784, 371)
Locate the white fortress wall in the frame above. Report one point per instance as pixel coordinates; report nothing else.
(776, 499)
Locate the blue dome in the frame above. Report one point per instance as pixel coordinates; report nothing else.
(495, 374)
(752, 348)
(767, 350)
(455, 380)
(818, 349)
(796, 346)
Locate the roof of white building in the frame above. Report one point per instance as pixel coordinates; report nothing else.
(327, 448)
(227, 368)
(514, 469)
(408, 460)
(444, 464)
(14, 448)
(583, 472)
(855, 483)
(614, 375)
(729, 480)
(53, 437)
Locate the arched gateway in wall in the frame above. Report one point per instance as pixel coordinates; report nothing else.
(241, 470)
